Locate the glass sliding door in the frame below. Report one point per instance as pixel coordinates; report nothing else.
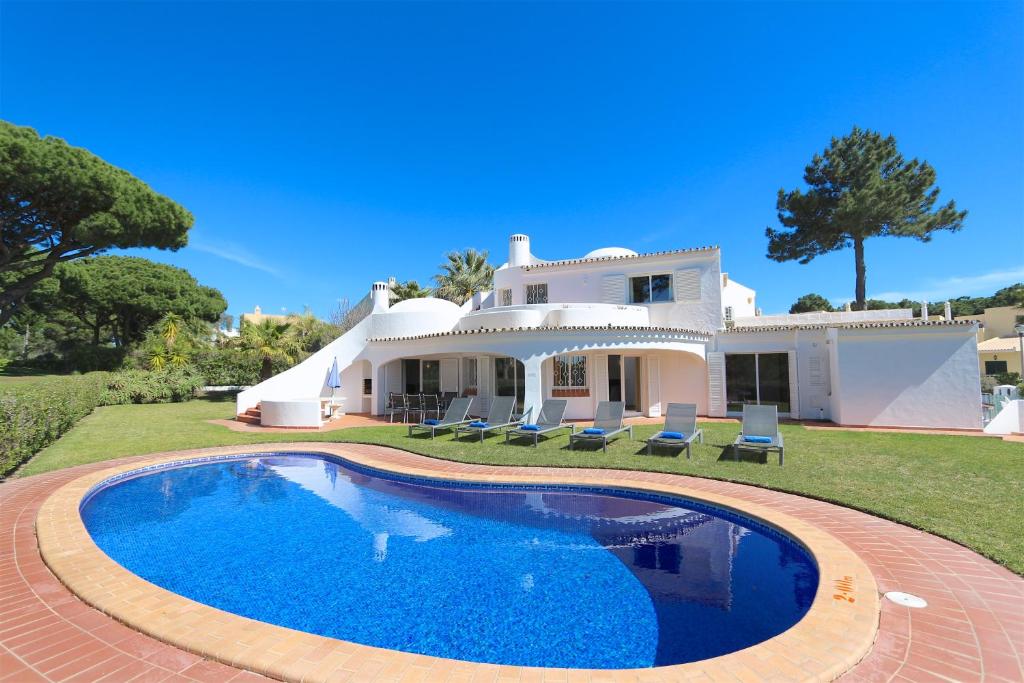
(624, 380)
(757, 379)
(740, 381)
(411, 375)
(614, 377)
(631, 382)
(510, 380)
(773, 380)
(431, 383)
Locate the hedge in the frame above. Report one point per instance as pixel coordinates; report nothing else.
(151, 386)
(35, 414)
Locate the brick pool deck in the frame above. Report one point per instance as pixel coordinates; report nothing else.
(973, 628)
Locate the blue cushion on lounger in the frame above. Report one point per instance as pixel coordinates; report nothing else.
(671, 435)
(431, 421)
(757, 439)
(479, 424)
(530, 428)
(593, 430)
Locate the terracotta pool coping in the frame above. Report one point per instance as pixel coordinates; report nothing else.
(832, 638)
(973, 629)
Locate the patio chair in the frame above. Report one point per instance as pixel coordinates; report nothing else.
(453, 418)
(607, 424)
(550, 420)
(414, 407)
(431, 404)
(396, 406)
(499, 416)
(680, 429)
(760, 431)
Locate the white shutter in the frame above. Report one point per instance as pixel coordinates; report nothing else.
(599, 377)
(794, 384)
(449, 374)
(686, 283)
(716, 384)
(653, 386)
(613, 289)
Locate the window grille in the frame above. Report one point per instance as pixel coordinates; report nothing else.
(537, 294)
(504, 297)
(570, 372)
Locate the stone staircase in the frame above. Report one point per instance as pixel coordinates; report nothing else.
(251, 416)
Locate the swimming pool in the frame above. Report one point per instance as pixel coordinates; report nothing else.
(529, 575)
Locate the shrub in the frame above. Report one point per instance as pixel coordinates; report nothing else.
(1011, 378)
(988, 384)
(227, 367)
(151, 386)
(35, 414)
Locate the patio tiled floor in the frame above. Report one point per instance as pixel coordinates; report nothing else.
(972, 630)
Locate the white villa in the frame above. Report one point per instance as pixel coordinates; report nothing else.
(644, 329)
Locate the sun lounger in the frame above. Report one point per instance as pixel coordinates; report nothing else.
(680, 429)
(760, 431)
(499, 416)
(550, 420)
(453, 418)
(607, 424)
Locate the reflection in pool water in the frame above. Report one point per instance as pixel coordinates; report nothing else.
(514, 575)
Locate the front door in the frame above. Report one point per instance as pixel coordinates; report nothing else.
(624, 381)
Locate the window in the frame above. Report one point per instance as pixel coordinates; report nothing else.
(757, 379)
(367, 386)
(995, 367)
(650, 289)
(728, 314)
(469, 385)
(537, 294)
(570, 372)
(504, 297)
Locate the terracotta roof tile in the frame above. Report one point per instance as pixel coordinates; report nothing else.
(619, 257)
(571, 328)
(869, 324)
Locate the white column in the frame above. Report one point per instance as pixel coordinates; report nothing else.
(533, 391)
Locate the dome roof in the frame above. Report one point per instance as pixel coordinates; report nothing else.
(426, 305)
(610, 252)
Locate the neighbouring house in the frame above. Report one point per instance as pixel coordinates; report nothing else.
(644, 329)
(998, 341)
(257, 316)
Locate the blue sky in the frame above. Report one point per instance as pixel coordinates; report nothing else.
(325, 145)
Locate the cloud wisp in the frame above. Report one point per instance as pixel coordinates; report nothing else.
(235, 254)
(952, 287)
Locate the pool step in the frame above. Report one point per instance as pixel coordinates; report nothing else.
(251, 416)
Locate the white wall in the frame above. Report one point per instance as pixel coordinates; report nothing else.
(742, 299)
(582, 283)
(684, 379)
(908, 377)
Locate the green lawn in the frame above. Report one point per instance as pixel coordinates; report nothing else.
(968, 489)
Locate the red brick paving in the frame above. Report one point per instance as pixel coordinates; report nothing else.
(972, 630)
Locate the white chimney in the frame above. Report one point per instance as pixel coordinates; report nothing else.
(848, 307)
(924, 310)
(518, 250)
(380, 295)
(947, 311)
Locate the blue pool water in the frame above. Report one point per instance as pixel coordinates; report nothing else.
(536, 576)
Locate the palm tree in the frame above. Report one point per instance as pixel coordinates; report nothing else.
(410, 289)
(269, 341)
(464, 274)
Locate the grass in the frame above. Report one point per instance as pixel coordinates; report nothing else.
(967, 489)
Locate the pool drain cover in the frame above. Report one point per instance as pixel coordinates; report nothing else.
(906, 599)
